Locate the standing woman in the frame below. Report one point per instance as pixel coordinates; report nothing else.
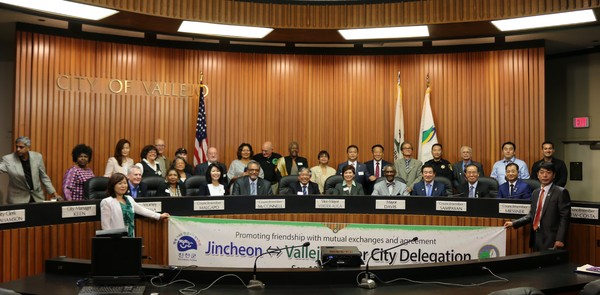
(171, 187)
(118, 210)
(120, 161)
(237, 168)
(77, 175)
(321, 172)
(216, 182)
(179, 165)
(348, 187)
(149, 165)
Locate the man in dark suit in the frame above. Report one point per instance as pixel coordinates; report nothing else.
(251, 184)
(560, 178)
(472, 188)
(362, 174)
(303, 186)
(549, 213)
(514, 187)
(459, 168)
(135, 187)
(290, 165)
(212, 156)
(375, 167)
(428, 187)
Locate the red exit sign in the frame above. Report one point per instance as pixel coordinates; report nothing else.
(581, 122)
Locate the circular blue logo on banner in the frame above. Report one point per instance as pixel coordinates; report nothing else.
(488, 251)
(185, 243)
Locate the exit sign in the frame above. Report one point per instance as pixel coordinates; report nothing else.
(581, 122)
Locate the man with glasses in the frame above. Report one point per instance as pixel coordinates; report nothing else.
(390, 186)
(472, 188)
(303, 186)
(408, 168)
(252, 185)
(162, 160)
(459, 168)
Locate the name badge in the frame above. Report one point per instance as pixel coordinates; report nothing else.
(300, 193)
(300, 164)
(584, 213)
(269, 204)
(361, 173)
(209, 205)
(390, 204)
(346, 189)
(508, 208)
(451, 206)
(330, 204)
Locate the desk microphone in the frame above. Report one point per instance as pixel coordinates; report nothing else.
(256, 284)
(366, 282)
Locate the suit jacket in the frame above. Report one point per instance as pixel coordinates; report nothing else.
(459, 173)
(18, 190)
(202, 167)
(438, 189)
(142, 190)
(295, 188)
(284, 165)
(381, 189)
(355, 190)
(411, 175)
(521, 190)
(111, 214)
(554, 221)
(371, 168)
(241, 187)
(482, 190)
(362, 174)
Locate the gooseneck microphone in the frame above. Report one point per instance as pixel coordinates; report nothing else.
(256, 284)
(368, 283)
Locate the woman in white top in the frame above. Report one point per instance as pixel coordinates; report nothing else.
(216, 182)
(149, 165)
(118, 210)
(321, 172)
(120, 162)
(237, 168)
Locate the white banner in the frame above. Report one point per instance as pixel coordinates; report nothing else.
(211, 242)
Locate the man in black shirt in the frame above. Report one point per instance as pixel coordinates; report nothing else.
(441, 166)
(268, 162)
(560, 177)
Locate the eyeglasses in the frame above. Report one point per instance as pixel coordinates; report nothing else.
(409, 148)
(252, 170)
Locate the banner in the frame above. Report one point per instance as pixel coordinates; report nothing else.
(428, 134)
(398, 125)
(211, 242)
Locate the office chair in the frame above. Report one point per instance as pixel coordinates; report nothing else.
(446, 183)
(152, 183)
(331, 182)
(95, 188)
(492, 183)
(193, 185)
(533, 183)
(591, 288)
(284, 183)
(518, 291)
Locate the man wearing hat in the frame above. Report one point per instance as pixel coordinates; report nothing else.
(182, 153)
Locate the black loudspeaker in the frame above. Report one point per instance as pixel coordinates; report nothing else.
(576, 172)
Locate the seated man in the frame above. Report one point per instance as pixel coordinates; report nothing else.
(251, 184)
(472, 188)
(428, 187)
(136, 188)
(390, 186)
(514, 187)
(303, 186)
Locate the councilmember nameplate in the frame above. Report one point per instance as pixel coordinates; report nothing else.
(390, 204)
(584, 213)
(508, 208)
(209, 205)
(12, 216)
(269, 204)
(154, 206)
(78, 211)
(330, 204)
(457, 206)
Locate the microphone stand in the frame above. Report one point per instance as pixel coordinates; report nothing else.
(256, 284)
(368, 283)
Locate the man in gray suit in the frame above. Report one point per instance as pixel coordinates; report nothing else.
(26, 174)
(408, 168)
(459, 168)
(549, 212)
(390, 186)
(252, 184)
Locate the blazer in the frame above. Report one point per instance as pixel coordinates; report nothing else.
(205, 191)
(355, 190)
(554, 221)
(19, 191)
(362, 174)
(142, 190)
(201, 168)
(318, 176)
(112, 166)
(438, 189)
(381, 189)
(284, 165)
(411, 175)
(161, 191)
(295, 188)
(521, 190)
(459, 173)
(242, 187)
(482, 190)
(371, 169)
(111, 214)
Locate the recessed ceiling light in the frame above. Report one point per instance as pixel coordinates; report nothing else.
(547, 20)
(385, 33)
(223, 30)
(65, 8)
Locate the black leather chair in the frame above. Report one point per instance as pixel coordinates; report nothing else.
(533, 184)
(446, 183)
(95, 188)
(492, 183)
(331, 181)
(518, 291)
(591, 288)
(382, 178)
(152, 183)
(193, 185)
(8, 292)
(284, 183)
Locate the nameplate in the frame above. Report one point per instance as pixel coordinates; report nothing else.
(507, 208)
(154, 206)
(12, 216)
(209, 205)
(451, 206)
(584, 213)
(390, 204)
(78, 211)
(269, 204)
(330, 204)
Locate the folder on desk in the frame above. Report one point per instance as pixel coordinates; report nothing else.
(588, 268)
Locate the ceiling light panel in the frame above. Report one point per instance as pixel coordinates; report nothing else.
(223, 30)
(64, 8)
(544, 21)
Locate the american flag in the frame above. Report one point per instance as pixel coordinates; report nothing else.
(201, 143)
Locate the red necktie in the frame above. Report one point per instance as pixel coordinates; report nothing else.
(538, 211)
(377, 169)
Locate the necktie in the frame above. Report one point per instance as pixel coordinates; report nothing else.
(390, 186)
(253, 188)
(377, 169)
(407, 163)
(538, 211)
(429, 189)
(294, 169)
(304, 191)
(512, 188)
(472, 191)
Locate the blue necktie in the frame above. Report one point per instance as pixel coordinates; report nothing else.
(429, 189)
(472, 192)
(253, 188)
(304, 192)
